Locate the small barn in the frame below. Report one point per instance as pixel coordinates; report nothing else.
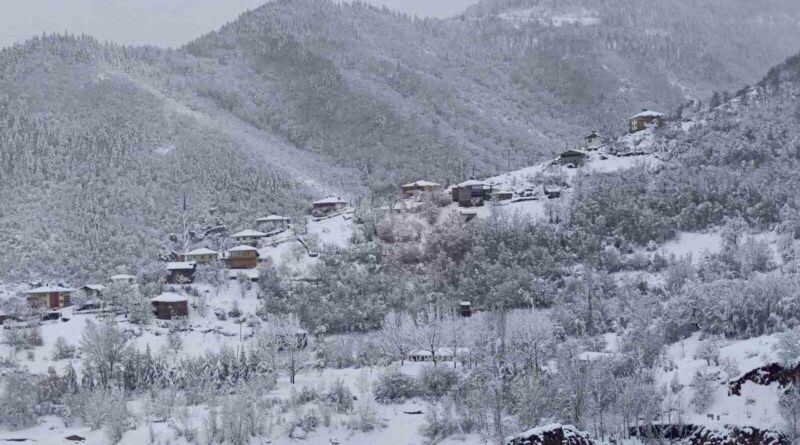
(123, 278)
(202, 255)
(170, 305)
(181, 272)
(572, 157)
(472, 193)
(241, 257)
(647, 118)
(327, 206)
(442, 355)
(593, 141)
(248, 237)
(49, 297)
(409, 190)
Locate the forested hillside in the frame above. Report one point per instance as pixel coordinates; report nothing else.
(108, 150)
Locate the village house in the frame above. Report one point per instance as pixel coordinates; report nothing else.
(249, 237)
(327, 206)
(123, 278)
(465, 309)
(241, 257)
(181, 272)
(273, 222)
(572, 157)
(93, 291)
(409, 190)
(442, 355)
(49, 297)
(471, 193)
(645, 119)
(202, 255)
(593, 141)
(170, 305)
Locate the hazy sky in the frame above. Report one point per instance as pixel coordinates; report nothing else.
(154, 22)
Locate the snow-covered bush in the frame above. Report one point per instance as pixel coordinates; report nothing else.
(394, 386)
(440, 423)
(62, 350)
(436, 381)
(340, 396)
(789, 406)
(17, 400)
(703, 385)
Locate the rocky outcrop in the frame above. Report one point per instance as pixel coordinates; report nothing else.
(553, 434)
(765, 375)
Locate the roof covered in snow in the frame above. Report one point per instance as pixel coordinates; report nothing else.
(421, 183)
(48, 289)
(273, 218)
(122, 277)
(202, 251)
(471, 182)
(329, 200)
(242, 249)
(169, 297)
(248, 234)
(647, 113)
(96, 287)
(181, 265)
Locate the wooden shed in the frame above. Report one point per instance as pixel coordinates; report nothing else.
(647, 118)
(170, 305)
(49, 297)
(241, 257)
(181, 272)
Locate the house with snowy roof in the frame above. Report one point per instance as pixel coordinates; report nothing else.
(249, 237)
(92, 291)
(471, 193)
(327, 206)
(593, 141)
(410, 189)
(572, 157)
(202, 255)
(646, 118)
(273, 222)
(241, 257)
(181, 272)
(169, 305)
(49, 297)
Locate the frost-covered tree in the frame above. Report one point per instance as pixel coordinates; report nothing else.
(281, 340)
(104, 346)
(396, 335)
(17, 399)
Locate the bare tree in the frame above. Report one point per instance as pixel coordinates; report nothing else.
(429, 334)
(396, 334)
(104, 346)
(282, 341)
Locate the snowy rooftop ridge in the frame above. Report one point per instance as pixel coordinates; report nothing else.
(180, 265)
(421, 183)
(647, 113)
(273, 218)
(471, 182)
(202, 251)
(169, 297)
(329, 200)
(122, 277)
(48, 289)
(248, 233)
(242, 249)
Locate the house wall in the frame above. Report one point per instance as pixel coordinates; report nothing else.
(43, 300)
(165, 311)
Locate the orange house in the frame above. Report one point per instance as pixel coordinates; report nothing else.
(49, 297)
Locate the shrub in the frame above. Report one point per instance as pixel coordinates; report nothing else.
(340, 396)
(436, 381)
(394, 386)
